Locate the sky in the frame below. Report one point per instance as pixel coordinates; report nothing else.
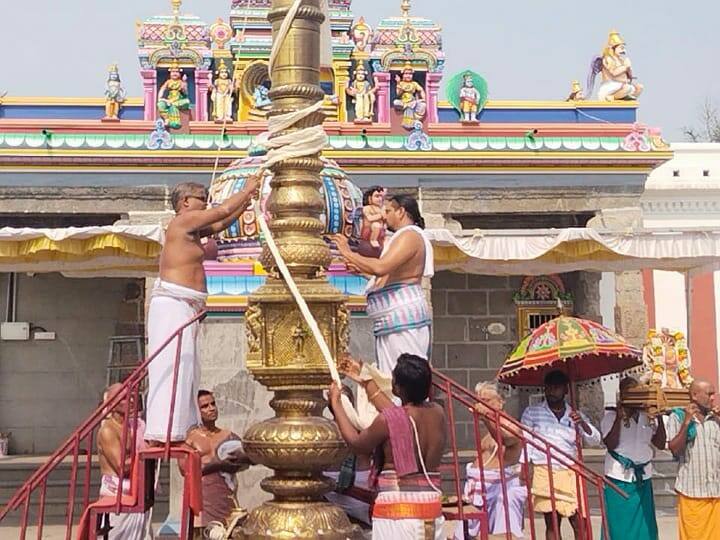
(525, 49)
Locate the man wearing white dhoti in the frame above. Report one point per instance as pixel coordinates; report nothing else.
(396, 302)
(121, 526)
(178, 295)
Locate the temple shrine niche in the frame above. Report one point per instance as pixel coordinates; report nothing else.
(176, 60)
(539, 300)
(250, 50)
(404, 59)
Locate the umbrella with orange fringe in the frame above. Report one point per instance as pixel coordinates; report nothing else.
(580, 348)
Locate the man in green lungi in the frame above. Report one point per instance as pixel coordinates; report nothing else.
(630, 436)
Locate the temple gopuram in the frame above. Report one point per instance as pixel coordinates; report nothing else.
(533, 207)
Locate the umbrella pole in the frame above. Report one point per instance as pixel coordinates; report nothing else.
(584, 523)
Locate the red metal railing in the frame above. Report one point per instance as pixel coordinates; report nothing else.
(128, 397)
(79, 448)
(504, 424)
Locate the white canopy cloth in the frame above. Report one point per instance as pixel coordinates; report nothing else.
(133, 250)
(545, 251)
(116, 250)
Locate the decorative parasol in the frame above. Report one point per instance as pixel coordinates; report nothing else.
(582, 349)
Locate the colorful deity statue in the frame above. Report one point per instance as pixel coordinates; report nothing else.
(173, 97)
(616, 72)
(363, 94)
(261, 96)
(469, 99)
(666, 359)
(221, 94)
(410, 98)
(114, 94)
(576, 92)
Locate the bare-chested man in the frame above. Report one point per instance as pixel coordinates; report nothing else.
(486, 483)
(178, 295)
(122, 526)
(408, 501)
(218, 472)
(396, 301)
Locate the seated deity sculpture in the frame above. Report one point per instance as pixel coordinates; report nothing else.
(410, 98)
(173, 97)
(114, 94)
(221, 94)
(615, 68)
(666, 360)
(363, 94)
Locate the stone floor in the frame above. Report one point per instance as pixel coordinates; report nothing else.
(666, 524)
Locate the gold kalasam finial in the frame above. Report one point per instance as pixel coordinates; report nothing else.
(176, 7)
(405, 7)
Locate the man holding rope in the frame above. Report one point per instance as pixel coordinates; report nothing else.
(396, 301)
(177, 296)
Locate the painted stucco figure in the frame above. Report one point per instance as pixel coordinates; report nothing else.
(363, 94)
(173, 97)
(615, 68)
(221, 94)
(467, 92)
(114, 94)
(410, 98)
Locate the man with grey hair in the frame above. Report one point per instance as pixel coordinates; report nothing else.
(488, 479)
(179, 295)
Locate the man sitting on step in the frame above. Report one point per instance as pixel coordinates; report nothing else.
(121, 526)
(222, 457)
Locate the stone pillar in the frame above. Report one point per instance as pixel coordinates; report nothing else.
(149, 77)
(590, 397)
(630, 312)
(202, 83)
(382, 83)
(432, 88)
(342, 80)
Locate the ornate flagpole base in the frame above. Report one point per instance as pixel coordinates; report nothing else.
(299, 443)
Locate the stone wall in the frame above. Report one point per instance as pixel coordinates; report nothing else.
(48, 387)
(463, 307)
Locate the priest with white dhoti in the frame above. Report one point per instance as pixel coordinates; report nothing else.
(177, 298)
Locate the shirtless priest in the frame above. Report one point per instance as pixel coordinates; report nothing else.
(396, 302)
(178, 295)
(412, 442)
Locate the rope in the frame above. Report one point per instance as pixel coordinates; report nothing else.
(302, 142)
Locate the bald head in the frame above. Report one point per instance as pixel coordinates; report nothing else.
(702, 393)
